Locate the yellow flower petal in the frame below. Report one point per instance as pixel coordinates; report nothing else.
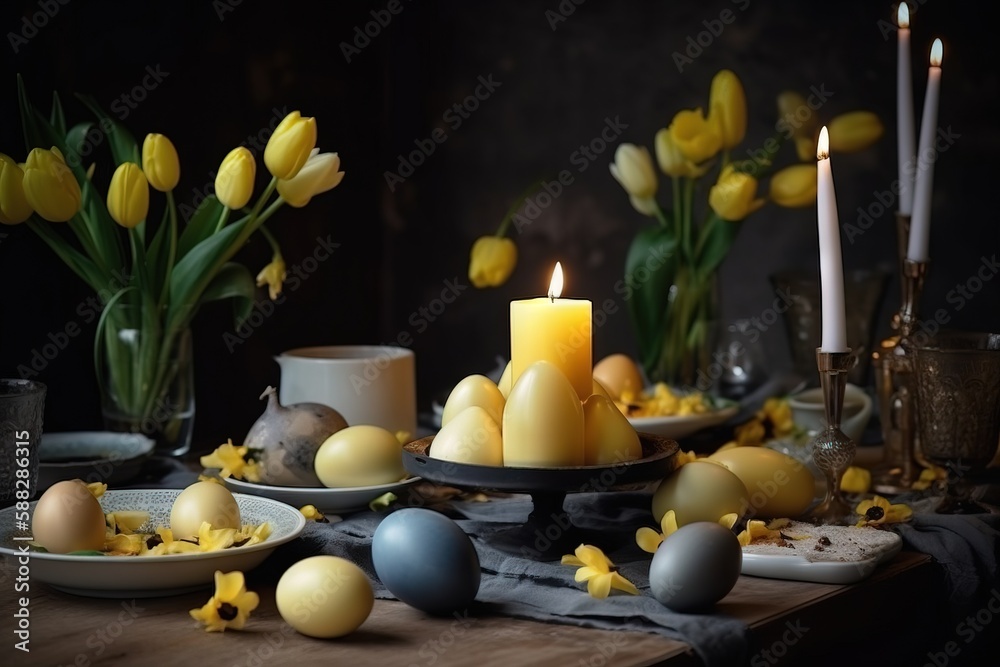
(382, 502)
(620, 583)
(648, 539)
(229, 586)
(97, 489)
(668, 524)
(600, 586)
(729, 520)
(570, 559)
(856, 480)
(586, 573)
(215, 540)
(594, 557)
(310, 512)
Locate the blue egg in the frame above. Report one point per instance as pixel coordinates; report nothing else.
(426, 561)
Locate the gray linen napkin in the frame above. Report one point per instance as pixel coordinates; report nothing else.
(546, 591)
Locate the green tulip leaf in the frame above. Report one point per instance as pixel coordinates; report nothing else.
(57, 118)
(76, 139)
(158, 254)
(718, 236)
(232, 281)
(650, 267)
(201, 226)
(187, 281)
(123, 145)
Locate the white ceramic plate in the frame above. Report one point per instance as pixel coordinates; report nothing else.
(328, 501)
(681, 427)
(798, 568)
(152, 576)
(93, 456)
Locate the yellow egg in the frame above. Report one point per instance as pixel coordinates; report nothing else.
(68, 518)
(203, 501)
(504, 383)
(476, 390)
(543, 420)
(607, 435)
(471, 437)
(360, 456)
(618, 373)
(700, 491)
(599, 390)
(324, 596)
(778, 485)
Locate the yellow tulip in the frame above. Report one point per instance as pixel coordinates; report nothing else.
(672, 162)
(234, 182)
(733, 196)
(633, 169)
(697, 137)
(492, 260)
(727, 103)
(854, 131)
(160, 162)
(14, 207)
(289, 147)
(273, 275)
(128, 195)
(320, 173)
(794, 186)
(798, 121)
(49, 185)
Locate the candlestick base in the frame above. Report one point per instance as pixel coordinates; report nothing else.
(833, 451)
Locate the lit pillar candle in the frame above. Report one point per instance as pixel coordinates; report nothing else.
(554, 330)
(831, 268)
(920, 224)
(904, 113)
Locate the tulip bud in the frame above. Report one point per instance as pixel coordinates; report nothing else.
(799, 121)
(128, 195)
(234, 182)
(697, 137)
(160, 162)
(320, 173)
(492, 260)
(728, 105)
(732, 197)
(289, 147)
(672, 162)
(854, 131)
(273, 275)
(633, 169)
(14, 206)
(794, 186)
(49, 185)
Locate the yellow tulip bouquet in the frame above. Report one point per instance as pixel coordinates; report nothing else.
(153, 279)
(670, 267)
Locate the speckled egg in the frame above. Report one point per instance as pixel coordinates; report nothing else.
(695, 567)
(426, 561)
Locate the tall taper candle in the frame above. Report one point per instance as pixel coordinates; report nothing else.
(906, 150)
(831, 267)
(920, 225)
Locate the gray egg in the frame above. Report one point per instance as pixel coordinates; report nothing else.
(695, 567)
(426, 561)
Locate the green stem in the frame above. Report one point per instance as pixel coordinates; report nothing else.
(271, 241)
(172, 252)
(223, 217)
(688, 217)
(516, 206)
(660, 216)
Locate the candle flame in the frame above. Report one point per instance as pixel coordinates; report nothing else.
(937, 53)
(903, 15)
(556, 284)
(823, 145)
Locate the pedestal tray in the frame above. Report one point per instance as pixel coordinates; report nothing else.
(548, 532)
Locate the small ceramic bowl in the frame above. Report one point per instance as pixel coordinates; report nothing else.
(93, 456)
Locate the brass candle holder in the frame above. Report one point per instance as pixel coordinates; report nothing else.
(896, 391)
(833, 451)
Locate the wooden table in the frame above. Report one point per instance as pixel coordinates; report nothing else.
(789, 620)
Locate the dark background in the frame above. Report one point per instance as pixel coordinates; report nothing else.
(230, 67)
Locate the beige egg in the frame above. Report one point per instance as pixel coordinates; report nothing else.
(543, 420)
(608, 436)
(476, 390)
(618, 373)
(599, 390)
(471, 437)
(200, 502)
(504, 384)
(700, 491)
(778, 485)
(324, 596)
(360, 455)
(68, 518)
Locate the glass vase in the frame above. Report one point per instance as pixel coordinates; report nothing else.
(690, 333)
(146, 378)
